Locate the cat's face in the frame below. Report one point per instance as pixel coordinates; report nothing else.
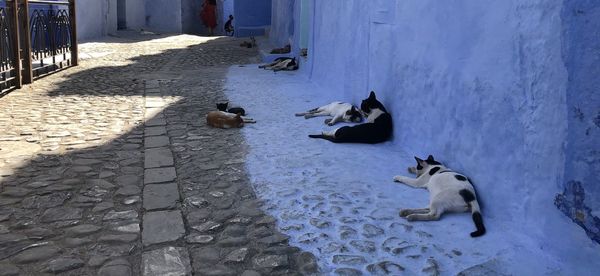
(423, 165)
(370, 103)
(353, 115)
(222, 106)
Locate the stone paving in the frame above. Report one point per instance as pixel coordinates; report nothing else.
(109, 169)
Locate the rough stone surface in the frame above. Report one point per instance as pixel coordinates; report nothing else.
(62, 213)
(36, 254)
(166, 261)
(159, 175)
(162, 226)
(118, 267)
(63, 264)
(156, 141)
(9, 270)
(161, 196)
(72, 185)
(158, 157)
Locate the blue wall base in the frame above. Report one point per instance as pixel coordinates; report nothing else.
(572, 203)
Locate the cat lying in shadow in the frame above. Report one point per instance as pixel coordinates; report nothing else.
(281, 64)
(234, 110)
(341, 112)
(377, 129)
(220, 119)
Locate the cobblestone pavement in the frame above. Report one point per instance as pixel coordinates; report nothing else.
(109, 169)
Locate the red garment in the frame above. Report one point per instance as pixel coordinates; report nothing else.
(209, 15)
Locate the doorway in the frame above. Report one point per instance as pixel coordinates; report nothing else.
(305, 7)
(121, 14)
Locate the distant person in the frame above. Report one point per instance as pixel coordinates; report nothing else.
(229, 26)
(208, 14)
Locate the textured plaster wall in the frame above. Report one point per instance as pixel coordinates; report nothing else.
(164, 16)
(581, 53)
(483, 86)
(287, 24)
(228, 8)
(190, 17)
(96, 18)
(136, 14)
(282, 18)
(256, 13)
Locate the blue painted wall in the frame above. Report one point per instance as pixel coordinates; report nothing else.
(256, 13)
(96, 18)
(581, 197)
(282, 18)
(485, 86)
(164, 16)
(292, 22)
(228, 8)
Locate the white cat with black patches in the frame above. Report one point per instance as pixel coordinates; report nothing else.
(341, 112)
(449, 192)
(377, 129)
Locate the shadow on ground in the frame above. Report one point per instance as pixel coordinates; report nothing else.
(72, 167)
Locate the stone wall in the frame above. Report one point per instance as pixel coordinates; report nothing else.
(581, 36)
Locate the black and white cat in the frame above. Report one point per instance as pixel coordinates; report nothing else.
(281, 63)
(234, 110)
(377, 129)
(449, 192)
(341, 112)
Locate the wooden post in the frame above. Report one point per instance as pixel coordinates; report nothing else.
(16, 44)
(74, 47)
(27, 63)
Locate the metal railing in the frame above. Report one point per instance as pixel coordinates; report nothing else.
(36, 38)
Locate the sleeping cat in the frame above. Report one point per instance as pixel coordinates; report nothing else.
(449, 192)
(281, 63)
(377, 129)
(234, 110)
(338, 110)
(220, 119)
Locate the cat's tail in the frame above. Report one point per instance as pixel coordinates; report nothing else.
(321, 136)
(470, 199)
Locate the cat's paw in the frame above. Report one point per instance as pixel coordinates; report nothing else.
(412, 217)
(328, 122)
(399, 178)
(412, 170)
(404, 213)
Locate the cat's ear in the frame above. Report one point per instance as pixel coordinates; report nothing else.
(430, 158)
(372, 95)
(419, 160)
(352, 110)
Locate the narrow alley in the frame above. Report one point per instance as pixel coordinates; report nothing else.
(109, 168)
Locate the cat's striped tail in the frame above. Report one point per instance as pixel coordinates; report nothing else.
(469, 198)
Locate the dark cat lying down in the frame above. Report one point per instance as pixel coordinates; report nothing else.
(377, 129)
(234, 110)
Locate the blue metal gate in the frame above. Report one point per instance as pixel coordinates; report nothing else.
(36, 38)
